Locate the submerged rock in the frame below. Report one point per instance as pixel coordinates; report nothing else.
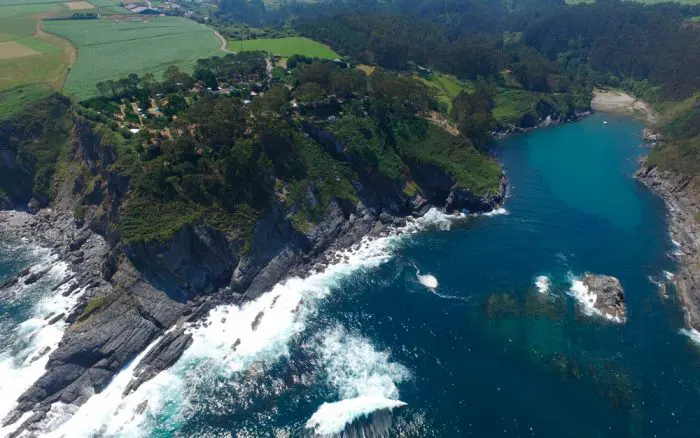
(610, 297)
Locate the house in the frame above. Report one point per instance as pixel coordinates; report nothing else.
(143, 10)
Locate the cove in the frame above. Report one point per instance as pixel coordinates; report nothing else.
(483, 354)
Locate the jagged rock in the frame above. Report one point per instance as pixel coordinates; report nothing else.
(56, 318)
(36, 276)
(9, 283)
(610, 297)
(35, 204)
(464, 199)
(163, 355)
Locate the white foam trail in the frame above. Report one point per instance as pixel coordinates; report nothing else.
(427, 280)
(692, 334)
(234, 339)
(668, 275)
(587, 300)
(25, 360)
(497, 212)
(543, 283)
(331, 419)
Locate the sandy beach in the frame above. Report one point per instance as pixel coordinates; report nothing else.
(622, 103)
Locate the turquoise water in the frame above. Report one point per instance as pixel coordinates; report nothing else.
(485, 354)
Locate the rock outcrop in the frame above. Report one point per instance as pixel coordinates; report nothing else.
(682, 196)
(610, 297)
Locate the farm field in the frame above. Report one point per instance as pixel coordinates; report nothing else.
(110, 49)
(285, 47)
(27, 54)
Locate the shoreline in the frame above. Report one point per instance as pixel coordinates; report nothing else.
(680, 195)
(619, 102)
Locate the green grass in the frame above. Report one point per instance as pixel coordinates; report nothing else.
(14, 99)
(448, 87)
(111, 49)
(512, 105)
(285, 47)
(419, 141)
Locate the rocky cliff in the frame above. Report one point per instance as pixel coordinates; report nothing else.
(134, 294)
(682, 196)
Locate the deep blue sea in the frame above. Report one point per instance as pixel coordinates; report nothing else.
(502, 347)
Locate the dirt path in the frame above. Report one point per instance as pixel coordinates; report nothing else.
(224, 44)
(70, 52)
(623, 103)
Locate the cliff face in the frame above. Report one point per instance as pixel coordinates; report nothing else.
(29, 146)
(682, 195)
(133, 294)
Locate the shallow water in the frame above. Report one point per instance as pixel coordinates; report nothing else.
(501, 347)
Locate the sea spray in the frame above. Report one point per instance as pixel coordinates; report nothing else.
(365, 380)
(24, 360)
(359, 416)
(427, 280)
(64, 420)
(238, 339)
(587, 299)
(543, 284)
(692, 334)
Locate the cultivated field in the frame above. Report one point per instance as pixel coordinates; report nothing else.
(13, 50)
(79, 5)
(27, 54)
(111, 49)
(285, 47)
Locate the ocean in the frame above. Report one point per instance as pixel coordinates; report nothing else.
(471, 326)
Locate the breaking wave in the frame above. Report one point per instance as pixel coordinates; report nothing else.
(40, 305)
(365, 380)
(692, 334)
(543, 284)
(359, 416)
(587, 299)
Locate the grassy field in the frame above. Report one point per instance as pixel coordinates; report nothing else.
(448, 87)
(28, 55)
(13, 99)
(285, 47)
(112, 49)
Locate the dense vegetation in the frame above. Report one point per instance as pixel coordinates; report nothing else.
(32, 142)
(228, 144)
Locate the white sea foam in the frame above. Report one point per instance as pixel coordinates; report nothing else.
(364, 378)
(668, 275)
(692, 334)
(25, 360)
(543, 283)
(67, 421)
(496, 212)
(331, 419)
(587, 299)
(427, 280)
